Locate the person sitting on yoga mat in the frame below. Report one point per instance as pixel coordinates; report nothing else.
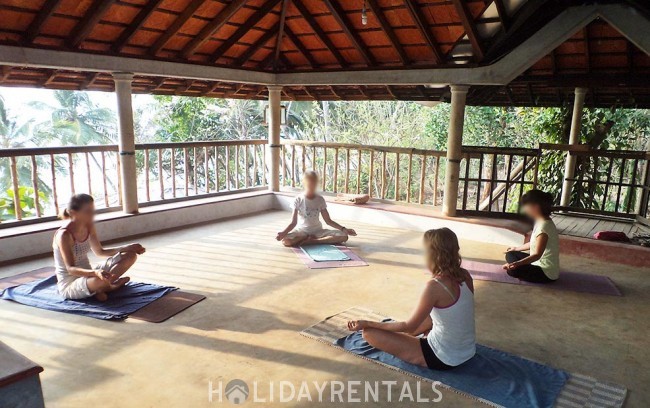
(542, 264)
(307, 209)
(440, 333)
(76, 278)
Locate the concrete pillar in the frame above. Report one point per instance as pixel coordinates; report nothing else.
(129, 175)
(454, 147)
(274, 121)
(574, 139)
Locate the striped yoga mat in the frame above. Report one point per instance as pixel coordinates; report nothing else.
(579, 391)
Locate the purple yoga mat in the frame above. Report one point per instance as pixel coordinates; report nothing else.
(573, 281)
(311, 264)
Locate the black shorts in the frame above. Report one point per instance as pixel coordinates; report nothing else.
(433, 362)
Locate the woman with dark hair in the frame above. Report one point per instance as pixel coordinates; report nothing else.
(542, 264)
(76, 278)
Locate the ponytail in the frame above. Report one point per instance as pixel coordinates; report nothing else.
(76, 202)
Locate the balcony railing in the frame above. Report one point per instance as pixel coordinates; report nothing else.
(43, 178)
(491, 180)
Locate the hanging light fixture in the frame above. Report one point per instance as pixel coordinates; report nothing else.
(364, 14)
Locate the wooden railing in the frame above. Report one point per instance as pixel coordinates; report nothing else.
(493, 179)
(608, 182)
(383, 172)
(44, 178)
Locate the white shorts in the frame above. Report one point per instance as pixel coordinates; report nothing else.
(77, 287)
(320, 233)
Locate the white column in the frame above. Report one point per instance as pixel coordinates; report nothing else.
(274, 121)
(126, 142)
(454, 148)
(574, 139)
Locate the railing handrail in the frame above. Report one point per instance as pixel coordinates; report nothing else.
(39, 151)
(586, 150)
(354, 146)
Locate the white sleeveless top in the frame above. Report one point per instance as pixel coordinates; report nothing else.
(452, 337)
(80, 250)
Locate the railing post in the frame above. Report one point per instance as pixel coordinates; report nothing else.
(274, 121)
(454, 148)
(574, 139)
(128, 174)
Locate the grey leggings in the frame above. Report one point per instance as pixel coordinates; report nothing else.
(528, 273)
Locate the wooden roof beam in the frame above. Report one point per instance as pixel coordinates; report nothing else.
(278, 41)
(265, 38)
(243, 29)
(175, 26)
(88, 23)
(212, 27)
(44, 13)
(135, 25)
(300, 46)
(322, 36)
(421, 23)
(340, 16)
(388, 30)
(470, 28)
(503, 14)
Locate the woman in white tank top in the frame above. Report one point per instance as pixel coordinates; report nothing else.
(76, 278)
(440, 334)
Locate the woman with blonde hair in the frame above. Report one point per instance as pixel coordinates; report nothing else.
(444, 315)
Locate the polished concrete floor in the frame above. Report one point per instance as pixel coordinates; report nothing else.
(259, 296)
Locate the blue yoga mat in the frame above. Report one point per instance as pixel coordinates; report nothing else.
(120, 304)
(492, 375)
(324, 253)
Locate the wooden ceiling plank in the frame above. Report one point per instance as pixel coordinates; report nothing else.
(322, 36)
(135, 25)
(278, 41)
(300, 46)
(388, 30)
(89, 21)
(35, 26)
(420, 22)
(244, 28)
(470, 28)
(265, 38)
(212, 27)
(340, 16)
(175, 26)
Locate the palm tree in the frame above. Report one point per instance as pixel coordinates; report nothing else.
(76, 120)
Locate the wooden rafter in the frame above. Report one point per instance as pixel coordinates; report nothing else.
(503, 14)
(135, 25)
(88, 23)
(421, 23)
(5, 71)
(300, 46)
(35, 27)
(175, 26)
(253, 48)
(585, 33)
(278, 41)
(212, 27)
(320, 33)
(266, 61)
(340, 16)
(388, 30)
(244, 28)
(470, 28)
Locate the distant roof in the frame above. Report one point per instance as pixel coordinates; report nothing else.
(303, 36)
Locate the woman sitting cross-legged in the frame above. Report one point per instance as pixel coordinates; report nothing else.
(76, 278)
(444, 314)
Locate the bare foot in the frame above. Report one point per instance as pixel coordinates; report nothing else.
(120, 282)
(101, 296)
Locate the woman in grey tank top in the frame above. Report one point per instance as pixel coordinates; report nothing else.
(76, 278)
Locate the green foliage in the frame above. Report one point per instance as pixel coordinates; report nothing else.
(27, 203)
